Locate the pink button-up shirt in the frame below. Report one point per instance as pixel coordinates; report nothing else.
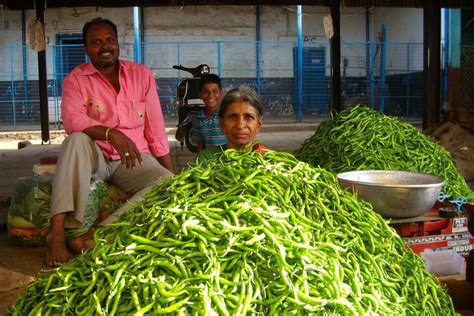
(88, 100)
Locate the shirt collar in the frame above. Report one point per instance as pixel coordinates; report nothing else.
(90, 69)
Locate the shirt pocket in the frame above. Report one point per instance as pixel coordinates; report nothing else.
(95, 110)
(137, 114)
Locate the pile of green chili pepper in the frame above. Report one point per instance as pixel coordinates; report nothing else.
(360, 138)
(247, 234)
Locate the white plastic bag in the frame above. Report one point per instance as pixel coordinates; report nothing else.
(444, 262)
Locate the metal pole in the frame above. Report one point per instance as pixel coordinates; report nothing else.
(25, 63)
(367, 41)
(142, 34)
(136, 32)
(383, 52)
(299, 72)
(257, 52)
(12, 84)
(219, 65)
(446, 55)
(372, 75)
(57, 105)
(408, 79)
(178, 52)
(454, 58)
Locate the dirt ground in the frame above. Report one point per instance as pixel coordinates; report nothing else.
(18, 266)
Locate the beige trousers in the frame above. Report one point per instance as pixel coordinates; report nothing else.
(81, 160)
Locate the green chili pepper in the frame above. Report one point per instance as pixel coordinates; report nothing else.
(246, 234)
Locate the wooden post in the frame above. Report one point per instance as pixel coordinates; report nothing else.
(42, 79)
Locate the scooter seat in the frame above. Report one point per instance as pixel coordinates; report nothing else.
(195, 102)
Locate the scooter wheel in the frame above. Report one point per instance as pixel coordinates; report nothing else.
(187, 139)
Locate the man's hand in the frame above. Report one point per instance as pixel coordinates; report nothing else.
(128, 151)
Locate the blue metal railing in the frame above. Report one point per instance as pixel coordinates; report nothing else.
(391, 82)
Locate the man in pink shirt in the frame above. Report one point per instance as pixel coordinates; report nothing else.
(112, 114)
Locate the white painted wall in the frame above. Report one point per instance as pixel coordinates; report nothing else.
(404, 25)
(223, 23)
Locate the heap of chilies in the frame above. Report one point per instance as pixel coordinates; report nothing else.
(360, 138)
(248, 234)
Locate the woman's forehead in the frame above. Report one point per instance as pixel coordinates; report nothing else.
(241, 106)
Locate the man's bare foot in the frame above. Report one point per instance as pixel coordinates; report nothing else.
(57, 252)
(81, 243)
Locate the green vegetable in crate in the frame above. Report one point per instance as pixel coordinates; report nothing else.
(360, 138)
(246, 234)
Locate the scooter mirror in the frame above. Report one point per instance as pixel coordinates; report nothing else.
(204, 69)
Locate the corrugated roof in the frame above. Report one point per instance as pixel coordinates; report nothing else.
(29, 4)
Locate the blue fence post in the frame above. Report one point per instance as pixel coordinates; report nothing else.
(178, 58)
(446, 55)
(408, 79)
(372, 75)
(142, 35)
(53, 83)
(12, 84)
(55, 87)
(299, 79)
(219, 60)
(178, 61)
(257, 70)
(367, 45)
(26, 103)
(383, 52)
(257, 52)
(136, 34)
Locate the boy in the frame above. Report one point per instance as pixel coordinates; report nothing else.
(206, 131)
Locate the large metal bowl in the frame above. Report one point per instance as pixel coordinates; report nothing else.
(394, 194)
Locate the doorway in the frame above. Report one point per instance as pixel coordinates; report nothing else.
(69, 53)
(314, 79)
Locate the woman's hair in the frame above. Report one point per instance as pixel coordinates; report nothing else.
(241, 94)
(95, 21)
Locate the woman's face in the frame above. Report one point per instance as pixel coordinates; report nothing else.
(240, 124)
